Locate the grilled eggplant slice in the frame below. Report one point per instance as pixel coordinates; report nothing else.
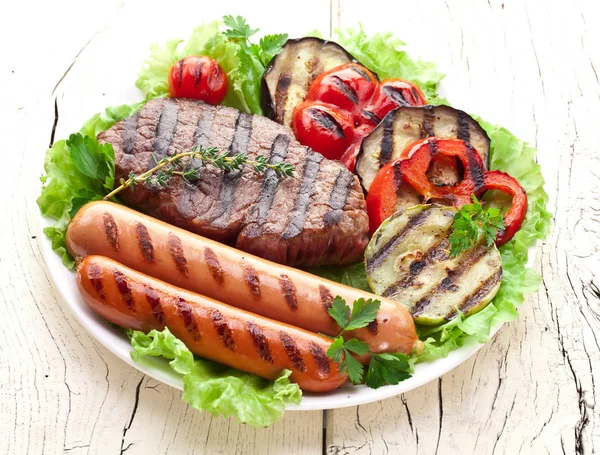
(289, 75)
(405, 125)
(408, 260)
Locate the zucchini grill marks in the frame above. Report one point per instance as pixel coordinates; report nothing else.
(408, 261)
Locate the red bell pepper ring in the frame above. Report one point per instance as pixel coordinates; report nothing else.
(345, 104)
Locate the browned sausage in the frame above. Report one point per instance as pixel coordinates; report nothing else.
(208, 328)
(229, 275)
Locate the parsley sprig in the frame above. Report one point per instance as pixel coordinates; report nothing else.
(165, 168)
(383, 369)
(471, 223)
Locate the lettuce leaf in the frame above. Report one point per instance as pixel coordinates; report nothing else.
(218, 389)
(78, 170)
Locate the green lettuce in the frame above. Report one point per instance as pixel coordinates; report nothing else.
(218, 389)
(78, 170)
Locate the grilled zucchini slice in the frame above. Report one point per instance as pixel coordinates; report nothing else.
(289, 75)
(405, 125)
(408, 260)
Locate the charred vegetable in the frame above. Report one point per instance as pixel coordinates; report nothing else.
(405, 125)
(408, 260)
(289, 75)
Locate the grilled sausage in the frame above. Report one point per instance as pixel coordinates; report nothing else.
(208, 328)
(231, 276)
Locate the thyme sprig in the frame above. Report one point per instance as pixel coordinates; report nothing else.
(168, 166)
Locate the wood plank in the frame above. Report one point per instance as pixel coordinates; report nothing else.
(62, 391)
(532, 388)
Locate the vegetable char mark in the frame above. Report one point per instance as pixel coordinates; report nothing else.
(144, 242)
(186, 313)
(198, 73)
(448, 284)
(153, 300)
(223, 330)
(478, 295)
(326, 297)
(462, 127)
(320, 358)
(413, 222)
(124, 289)
(278, 153)
(252, 280)
(475, 170)
(281, 95)
(95, 277)
(111, 230)
(396, 95)
(361, 72)
(165, 127)
(261, 345)
(398, 179)
(289, 291)
(176, 250)
(307, 188)
(346, 89)
(230, 181)
(428, 121)
(371, 116)
(130, 134)
(212, 261)
(387, 140)
(292, 351)
(338, 197)
(438, 252)
(326, 121)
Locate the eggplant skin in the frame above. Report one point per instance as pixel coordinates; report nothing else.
(407, 124)
(300, 61)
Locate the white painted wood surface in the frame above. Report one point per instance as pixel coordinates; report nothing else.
(529, 65)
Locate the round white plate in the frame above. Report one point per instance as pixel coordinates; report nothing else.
(116, 342)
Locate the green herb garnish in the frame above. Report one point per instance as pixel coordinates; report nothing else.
(472, 222)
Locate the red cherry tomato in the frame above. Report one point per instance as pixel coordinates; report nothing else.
(392, 93)
(199, 78)
(323, 128)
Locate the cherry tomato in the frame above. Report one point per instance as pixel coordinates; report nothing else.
(323, 128)
(199, 78)
(392, 93)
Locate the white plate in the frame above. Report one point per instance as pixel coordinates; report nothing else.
(116, 342)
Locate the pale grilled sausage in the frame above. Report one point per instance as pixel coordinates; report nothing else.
(208, 328)
(229, 275)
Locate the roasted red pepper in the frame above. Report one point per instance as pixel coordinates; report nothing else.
(345, 104)
(402, 181)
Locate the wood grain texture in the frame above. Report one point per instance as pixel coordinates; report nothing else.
(530, 65)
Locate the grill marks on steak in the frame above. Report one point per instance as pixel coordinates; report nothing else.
(317, 217)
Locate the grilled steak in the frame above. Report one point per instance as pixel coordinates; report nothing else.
(316, 217)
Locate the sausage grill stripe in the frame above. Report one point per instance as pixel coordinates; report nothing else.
(186, 313)
(204, 128)
(212, 261)
(261, 345)
(230, 180)
(165, 127)
(448, 284)
(153, 300)
(307, 188)
(223, 330)
(279, 151)
(111, 229)
(129, 134)
(428, 121)
(478, 295)
(438, 252)
(326, 297)
(292, 351)
(176, 250)
(95, 277)
(281, 95)
(387, 140)
(338, 197)
(252, 280)
(124, 290)
(289, 291)
(144, 242)
(413, 222)
(320, 358)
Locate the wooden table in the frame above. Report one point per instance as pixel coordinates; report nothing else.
(532, 66)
